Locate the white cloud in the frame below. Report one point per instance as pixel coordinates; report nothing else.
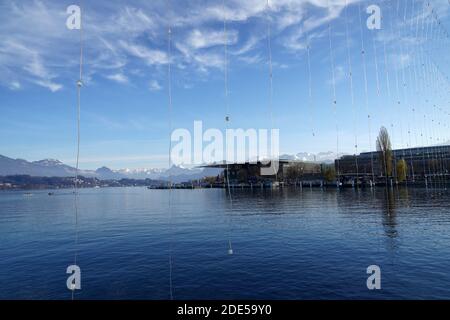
(150, 56)
(118, 77)
(399, 60)
(203, 48)
(154, 85)
(307, 29)
(134, 20)
(32, 66)
(249, 45)
(15, 85)
(52, 86)
(339, 75)
(198, 39)
(37, 48)
(251, 59)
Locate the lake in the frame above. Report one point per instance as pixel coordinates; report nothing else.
(287, 244)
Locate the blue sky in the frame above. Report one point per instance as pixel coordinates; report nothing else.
(124, 117)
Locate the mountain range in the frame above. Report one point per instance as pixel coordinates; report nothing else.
(55, 168)
(321, 157)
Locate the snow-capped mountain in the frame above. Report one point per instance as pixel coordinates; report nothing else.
(141, 173)
(321, 157)
(55, 168)
(174, 173)
(108, 174)
(48, 162)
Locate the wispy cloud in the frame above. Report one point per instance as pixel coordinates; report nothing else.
(149, 56)
(15, 85)
(32, 65)
(251, 59)
(339, 75)
(247, 46)
(154, 85)
(198, 39)
(38, 49)
(118, 77)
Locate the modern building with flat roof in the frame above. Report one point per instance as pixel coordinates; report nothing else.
(250, 172)
(422, 162)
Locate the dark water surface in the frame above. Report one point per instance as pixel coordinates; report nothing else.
(288, 244)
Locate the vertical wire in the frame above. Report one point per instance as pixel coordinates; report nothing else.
(441, 130)
(439, 30)
(169, 105)
(310, 95)
(352, 94)
(443, 126)
(421, 41)
(388, 88)
(79, 85)
(418, 76)
(376, 66)
(439, 127)
(421, 55)
(378, 91)
(366, 92)
(405, 96)
(412, 71)
(397, 84)
(227, 119)
(435, 139)
(445, 86)
(413, 77)
(432, 101)
(334, 103)
(427, 78)
(429, 33)
(269, 49)
(436, 122)
(389, 100)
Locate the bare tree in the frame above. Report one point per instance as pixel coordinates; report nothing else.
(384, 149)
(402, 169)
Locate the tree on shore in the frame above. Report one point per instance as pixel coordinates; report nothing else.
(294, 171)
(384, 149)
(402, 169)
(329, 174)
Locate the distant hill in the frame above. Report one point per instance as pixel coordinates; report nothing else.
(107, 173)
(43, 168)
(55, 168)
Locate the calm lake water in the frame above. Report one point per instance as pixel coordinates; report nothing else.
(288, 244)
